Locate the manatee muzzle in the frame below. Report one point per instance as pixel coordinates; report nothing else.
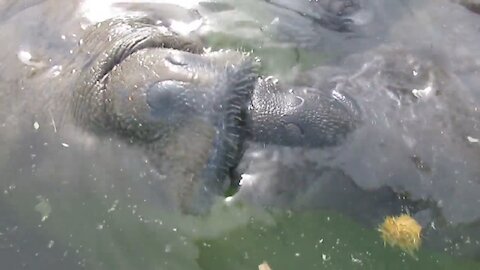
(155, 90)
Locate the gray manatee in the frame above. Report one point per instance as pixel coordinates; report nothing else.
(334, 28)
(191, 111)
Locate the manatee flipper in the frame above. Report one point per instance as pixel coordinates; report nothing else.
(301, 116)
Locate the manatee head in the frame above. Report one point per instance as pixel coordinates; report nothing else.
(153, 89)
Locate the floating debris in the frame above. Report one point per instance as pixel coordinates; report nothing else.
(51, 243)
(472, 139)
(43, 207)
(402, 231)
(26, 58)
(421, 93)
(264, 266)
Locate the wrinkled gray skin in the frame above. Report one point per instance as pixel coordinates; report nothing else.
(192, 111)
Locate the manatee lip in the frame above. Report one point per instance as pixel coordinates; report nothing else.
(236, 85)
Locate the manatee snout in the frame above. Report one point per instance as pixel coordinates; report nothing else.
(161, 93)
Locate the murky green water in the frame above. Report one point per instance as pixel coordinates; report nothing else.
(68, 201)
(105, 234)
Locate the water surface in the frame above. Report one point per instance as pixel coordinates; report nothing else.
(71, 201)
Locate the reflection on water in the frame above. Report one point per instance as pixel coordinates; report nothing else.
(97, 11)
(71, 201)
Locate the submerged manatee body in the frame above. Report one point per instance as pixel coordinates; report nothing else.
(416, 149)
(334, 28)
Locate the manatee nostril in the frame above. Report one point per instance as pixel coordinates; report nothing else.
(343, 8)
(292, 102)
(347, 22)
(175, 60)
(297, 102)
(294, 130)
(165, 99)
(349, 104)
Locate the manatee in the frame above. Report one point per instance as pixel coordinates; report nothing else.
(334, 15)
(471, 5)
(190, 110)
(416, 150)
(334, 28)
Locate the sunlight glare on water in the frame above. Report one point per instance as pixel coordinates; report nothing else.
(96, 11)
